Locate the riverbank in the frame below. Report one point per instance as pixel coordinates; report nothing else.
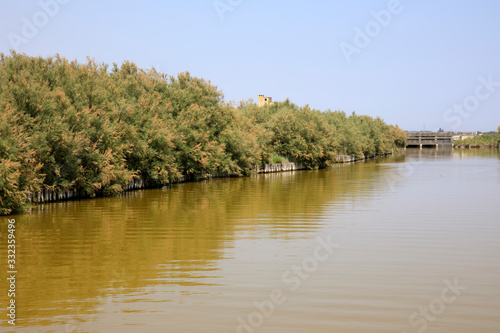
(47, 196)
(476, 146)
(487, 140)
(87, 130)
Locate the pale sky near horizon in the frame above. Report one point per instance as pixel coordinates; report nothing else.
(413, 63)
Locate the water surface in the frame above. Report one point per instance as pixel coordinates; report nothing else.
(203, 257)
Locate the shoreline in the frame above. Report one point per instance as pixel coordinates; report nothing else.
(47, 196)
(476, 146)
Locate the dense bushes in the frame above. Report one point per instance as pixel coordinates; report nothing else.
(92, 128)
(487, 139)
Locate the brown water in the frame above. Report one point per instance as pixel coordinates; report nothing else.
(204, 257)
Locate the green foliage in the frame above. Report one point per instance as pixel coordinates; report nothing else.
(278, 159)
(89, 128)
(303, 135)
(19, 169)
(492, 139)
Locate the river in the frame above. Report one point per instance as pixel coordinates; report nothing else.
(407, 243)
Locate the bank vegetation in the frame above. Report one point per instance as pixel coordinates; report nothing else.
(92, 128)
(483, 140)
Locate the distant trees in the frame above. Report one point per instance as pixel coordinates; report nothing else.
(92, 128)
(486, 139)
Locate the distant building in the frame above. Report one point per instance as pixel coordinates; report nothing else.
(462, 137)
(263, 101)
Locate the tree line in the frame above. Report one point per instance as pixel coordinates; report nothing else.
(486, 139)
(92, 128)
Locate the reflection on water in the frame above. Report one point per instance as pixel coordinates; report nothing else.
(196, 256)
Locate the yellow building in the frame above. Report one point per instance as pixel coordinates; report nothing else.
(265, 101)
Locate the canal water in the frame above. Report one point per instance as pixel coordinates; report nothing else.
(399, 244)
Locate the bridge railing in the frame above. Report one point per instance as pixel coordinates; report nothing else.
(429, 139)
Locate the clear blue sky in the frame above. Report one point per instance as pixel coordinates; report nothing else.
(429, 63)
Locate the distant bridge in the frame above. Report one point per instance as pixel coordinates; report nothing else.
(428, 139)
